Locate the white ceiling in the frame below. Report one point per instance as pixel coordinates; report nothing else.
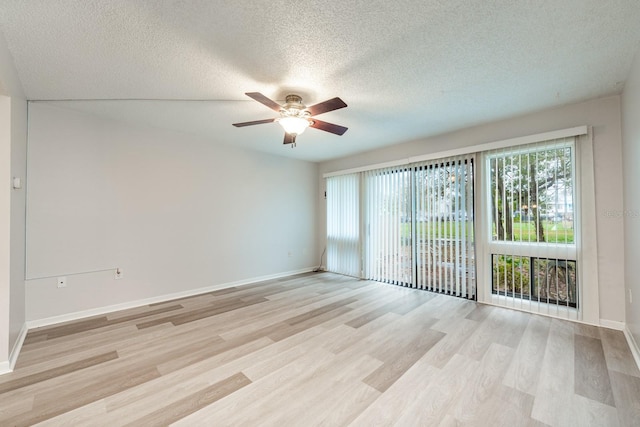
(407, 69)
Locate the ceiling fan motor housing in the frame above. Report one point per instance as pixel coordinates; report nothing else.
(294, 107)
(294, 101)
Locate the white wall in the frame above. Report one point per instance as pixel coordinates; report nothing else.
(5, 228)
(175, 212)
(631, 213)
(603, 115)
(13, 143)
(18, 222)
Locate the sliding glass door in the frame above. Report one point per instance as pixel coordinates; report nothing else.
(388, 225)
(418, 223)
(444, 235)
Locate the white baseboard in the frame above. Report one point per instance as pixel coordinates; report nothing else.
(13, 357)
(621, 326)
(612, 324)
(6, 367)
(633, 345)
(37, 323)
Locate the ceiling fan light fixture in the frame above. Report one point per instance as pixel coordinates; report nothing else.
(295, 117)
(294, 125)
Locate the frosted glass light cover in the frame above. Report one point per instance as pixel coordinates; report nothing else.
(294, 125)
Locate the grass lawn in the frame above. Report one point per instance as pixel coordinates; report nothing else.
(438, 229)
(554, 232)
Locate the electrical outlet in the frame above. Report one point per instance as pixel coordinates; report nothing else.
(289, 254)
(118, 274)
(630, 297)
(62, 282)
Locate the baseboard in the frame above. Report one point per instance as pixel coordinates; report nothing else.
(612, 324)
(7, 366)
(620, 326)
(633, 345)
(154, 300)
(13, 357)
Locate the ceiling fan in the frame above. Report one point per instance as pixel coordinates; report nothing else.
(295, 117)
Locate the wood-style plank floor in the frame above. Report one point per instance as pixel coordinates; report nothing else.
(321, 349)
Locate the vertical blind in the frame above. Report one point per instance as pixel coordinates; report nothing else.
(532, 232)
(343, 224)
(387, 206)
(444, 235)
(417, 222)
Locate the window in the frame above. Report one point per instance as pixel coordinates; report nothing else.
(533, 229)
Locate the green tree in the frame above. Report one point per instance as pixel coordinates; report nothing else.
(527, 182)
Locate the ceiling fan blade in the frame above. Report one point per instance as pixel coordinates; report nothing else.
(326, 106)
(289, 139)
(255, 122)
(264, 100)
(328, 127)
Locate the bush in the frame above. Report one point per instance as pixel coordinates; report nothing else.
(511, 274)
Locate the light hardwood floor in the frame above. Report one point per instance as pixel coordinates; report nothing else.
(322, 349)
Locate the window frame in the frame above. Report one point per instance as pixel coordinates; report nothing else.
(533, 250)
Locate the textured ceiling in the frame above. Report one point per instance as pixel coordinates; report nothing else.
(408, 69)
